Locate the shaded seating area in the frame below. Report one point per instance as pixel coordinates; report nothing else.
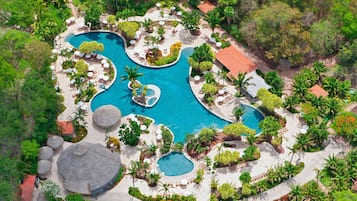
(87, 168)
(107, 117)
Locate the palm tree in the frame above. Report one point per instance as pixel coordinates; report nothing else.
(133, 170)
(228, 13)
(300, 88)
(331, 86)
(153, 178)
(132, 75)
(333, 106)
(191, 21)
(78, 118)
(318, 102)
(161, 32)
(290, 102)
(213, 18)
(343, 89)
(251, 138)
(332, 163)
(303, 142)
(319, 69)
(293, 150)
(319, 134)
(147, 25)
(165, 190)
(242, 82)
(296, 193)
(238, 112)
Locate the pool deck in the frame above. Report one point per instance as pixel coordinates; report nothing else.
(269, 157)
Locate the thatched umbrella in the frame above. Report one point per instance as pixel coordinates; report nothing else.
(46, 153)
(43, 168)
(55, 142)
(88, 168)
(107, 116)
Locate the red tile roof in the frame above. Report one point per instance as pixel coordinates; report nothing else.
(235, 61)
(206, 7)
(26, 188)
(66, 127)
(318, 91)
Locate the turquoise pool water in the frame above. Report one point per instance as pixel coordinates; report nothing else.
(177, 108)
(175, 164)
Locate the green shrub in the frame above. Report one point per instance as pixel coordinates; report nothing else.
(167, 139)
(172, 57)
(68, 64)
(74, 197)
(128, 29)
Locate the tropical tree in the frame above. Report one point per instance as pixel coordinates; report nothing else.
(319, 69)
(245, 177)
(191, 20)
(273, 79)
(161, 32)
(303, 142)
(237, 129)
(92, 15)
(238, 112)
(269, 100)
(133, 170)
(343, 89)
(251, 138)
(165, 189)
(228, 13)
(290, 102)
(318, 134)
(270, 127)
(132, 75)
(91, 47)
(242, 82)
(202, 53)
(213, 18)
(296, 193)
(153, 178)
(226, 191)
(330, 84)
(147, 24)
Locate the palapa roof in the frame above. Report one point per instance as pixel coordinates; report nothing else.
(43, 167)
(234, 61)
(87, 167)
(26, 188)
(66, 127)
(45, 153)
(55, 141)
(206, 7)
(107, 116)
(318, 91)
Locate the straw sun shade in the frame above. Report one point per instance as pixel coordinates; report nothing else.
(107, 116)
(55, 142)
(88, 168)
(46, 153)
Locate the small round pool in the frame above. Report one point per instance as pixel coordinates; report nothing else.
(175, 164)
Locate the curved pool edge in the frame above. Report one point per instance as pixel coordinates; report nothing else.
(175, 179)
(125, 48)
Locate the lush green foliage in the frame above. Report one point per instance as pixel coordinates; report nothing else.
(345, 124)
(135, 192)
(226, 191)
(74, 197)
(202, 142)
(91, 47)
(269, 100)
(130, 134)
(128, 29)
(245, 177)
(275, 81)
(172, 57)
(29, 103)
(237, 129)
(191, 20)
(167, 139)
(203, 53)
(227, 158)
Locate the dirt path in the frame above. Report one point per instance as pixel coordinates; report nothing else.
(73, 8)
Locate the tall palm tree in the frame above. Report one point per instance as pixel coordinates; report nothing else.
(303, 142)
(165, 189)
(332, 163)
(343, 89)
(161, 32)
(132, 74)
(290, 102)
(300, 88)
(147, 25)
(238, 113)
(333, 106)
(319, 69)
(242, 82)
(133, 170)
(213, 18)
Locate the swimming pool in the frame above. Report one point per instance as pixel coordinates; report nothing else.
(178, 108)
(174, 164)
